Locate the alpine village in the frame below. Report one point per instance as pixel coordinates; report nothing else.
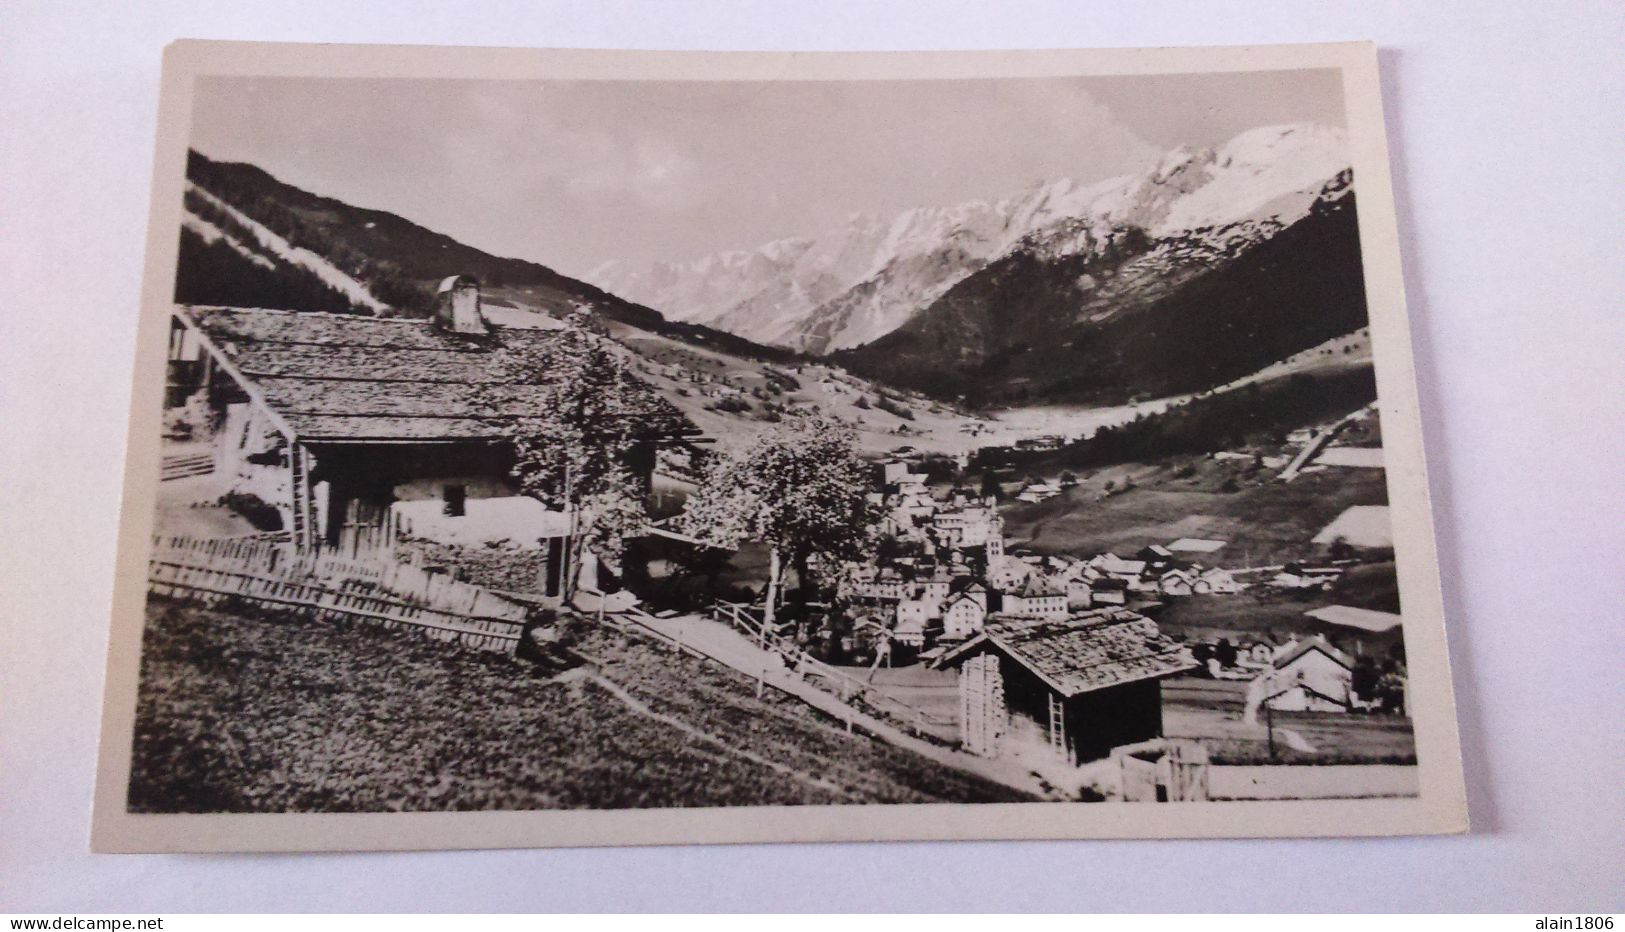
(1098, 513)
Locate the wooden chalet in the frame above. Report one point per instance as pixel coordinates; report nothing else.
(1075, 687)
(343, 423)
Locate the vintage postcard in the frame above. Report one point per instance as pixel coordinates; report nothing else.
(538, 448)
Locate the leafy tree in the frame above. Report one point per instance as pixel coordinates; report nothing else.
(802, 489)
(1365, 678)
(613, 512)
(990, 485)
(570, 451)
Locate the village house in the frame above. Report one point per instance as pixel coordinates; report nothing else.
(1079, 594)
(1110, 564)
(1036, 598)
(1308, 676)
(1175, 582)
(1260, 653)
(1158, 559)
(1073, 688)
(1007, 573)
(1038, 492)
(1302, 576)
(964, 615)
(1216, 581)
(892, 472)
(1041, 443)
(913, 617)
(355, 429)
(1108, 591)
(934, 586)
(889, 585)
(968, 526)
(913, 484)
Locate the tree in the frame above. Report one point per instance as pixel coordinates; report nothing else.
(990, 485)
(802, 489)
(1341, 549)
(612, 513)
(570, 450)
(1366, 676)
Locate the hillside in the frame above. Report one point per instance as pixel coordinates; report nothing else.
(383, 262)
(1133, 315)
(326, 718)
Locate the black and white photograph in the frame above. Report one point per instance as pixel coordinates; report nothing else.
(803, 453)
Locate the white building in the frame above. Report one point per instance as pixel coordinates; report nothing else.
(1037, 598)
(1006, 573)
(1308, 676)
(913, 615)
(1216, 581)
(1079, 594)
(964, 616)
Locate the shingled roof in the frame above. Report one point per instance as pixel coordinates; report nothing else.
(1086, 652)
(349, 378)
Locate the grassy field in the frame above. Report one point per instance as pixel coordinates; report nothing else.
(1211, 710)
(1261, 612)
(248, 713)
(1264, 521)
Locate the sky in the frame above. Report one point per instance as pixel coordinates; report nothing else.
(575, 173)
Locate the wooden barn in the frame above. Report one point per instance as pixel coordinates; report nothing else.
(353, 427)
(1075, 688)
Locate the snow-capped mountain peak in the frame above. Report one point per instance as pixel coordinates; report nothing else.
(856, 283)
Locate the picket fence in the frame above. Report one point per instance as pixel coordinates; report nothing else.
(268, 572)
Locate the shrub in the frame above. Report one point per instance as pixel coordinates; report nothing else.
(892, 407)
(260, 513)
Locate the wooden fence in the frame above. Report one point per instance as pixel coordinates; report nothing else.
(269, 573)
(845, 686)
(1175, 771)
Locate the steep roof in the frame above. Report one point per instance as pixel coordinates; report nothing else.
(1037, 586)
(1312, 644)
(1120, 567)
(1086, 652)
(350, 378)
(1364, 618)
(1196, 544)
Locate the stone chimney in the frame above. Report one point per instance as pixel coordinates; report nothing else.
(457, 305)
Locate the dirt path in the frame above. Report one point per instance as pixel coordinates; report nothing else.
(640, 707)
(727, 646)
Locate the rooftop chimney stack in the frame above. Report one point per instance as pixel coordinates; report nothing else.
(457, 305)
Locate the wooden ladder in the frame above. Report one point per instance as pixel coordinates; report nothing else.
(1057, 724)
(296, 463)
